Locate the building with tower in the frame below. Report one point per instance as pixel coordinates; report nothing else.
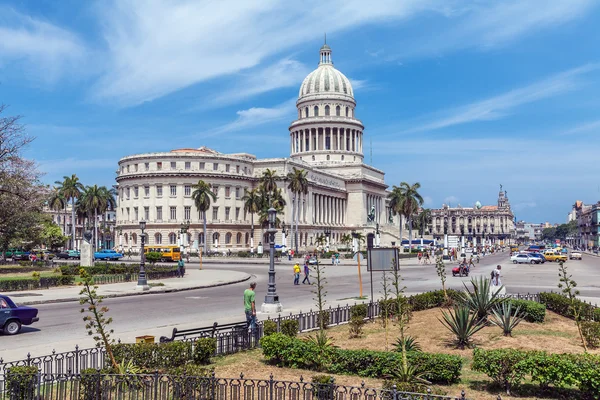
(326, 140)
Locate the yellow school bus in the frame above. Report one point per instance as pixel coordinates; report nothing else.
(169, 253)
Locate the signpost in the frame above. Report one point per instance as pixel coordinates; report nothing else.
(358, 257)
(381, 259)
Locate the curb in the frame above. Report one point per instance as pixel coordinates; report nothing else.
(110, 296)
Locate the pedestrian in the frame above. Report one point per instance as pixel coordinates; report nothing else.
(496, 276)
(180, 268)
(333, 259)
(250, 306)
(337, 258)
(420, 257)
(427, 260)
(306, 274)
(296, 274)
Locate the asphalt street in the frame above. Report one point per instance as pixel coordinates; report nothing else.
(61, 326)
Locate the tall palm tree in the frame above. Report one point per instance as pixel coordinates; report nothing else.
(346, 239)
(298, 186)
(397, 206)
(412, 200)
(57, 202)
(202, 196)
(268, 183)
(252, 204)
(71, 189)
(360, 237)
(424, 219)
(93, 200)
(110, 201)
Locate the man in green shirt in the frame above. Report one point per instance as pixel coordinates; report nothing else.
(250, 306)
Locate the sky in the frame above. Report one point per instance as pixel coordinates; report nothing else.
(461, 96)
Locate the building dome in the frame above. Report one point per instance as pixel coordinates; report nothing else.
(325, 80)
(478, 205)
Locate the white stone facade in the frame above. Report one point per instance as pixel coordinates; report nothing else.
(326, 140)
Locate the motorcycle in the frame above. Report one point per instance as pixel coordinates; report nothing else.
(461, 270)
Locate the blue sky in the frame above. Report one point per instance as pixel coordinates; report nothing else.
(460, 96)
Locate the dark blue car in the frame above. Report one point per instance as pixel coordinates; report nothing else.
(12, 317)
(538, 256)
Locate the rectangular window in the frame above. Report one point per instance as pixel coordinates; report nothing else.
(173, 213)
(215, 166)
(158, 166)
(188, 165)
(146, 213)
(146, 191)
(135, 214)
(173, 190)
(237, 213)
(187, 212)
(159, 213)
(237, 169)
(187, 190)
(245, 169)
(227, 192)
(227, 209)
(202, 165)
(173, 165)
(128, 168)
(135, 168)
(158, 190)
(237, 192)
(147, 166)
(128, 193)
(135, 192)
(215, 190)
(215, 213)
(226, 167)
(128, 216)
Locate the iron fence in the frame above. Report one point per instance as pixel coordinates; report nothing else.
(98, 386)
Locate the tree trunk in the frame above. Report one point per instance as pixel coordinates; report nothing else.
(293, 220)
(204, 230)
(73, 224)
(400, 242)
(95, 229)
(409, 233)
(297, 219)
(252, 232)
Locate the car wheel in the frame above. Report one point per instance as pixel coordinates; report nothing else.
(12, 327)
(514, 262)
(532, 262)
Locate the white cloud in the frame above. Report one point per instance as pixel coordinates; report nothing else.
(427, 201)
(583, 128)
(524, 205)
(72, 165)
(43, 48)
(499, 106)
(451, 200)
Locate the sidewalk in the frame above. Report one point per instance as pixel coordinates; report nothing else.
(194, 279)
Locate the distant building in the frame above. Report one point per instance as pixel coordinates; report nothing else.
(477, 225)
(106, 226)
(527, 231)
(588, 217)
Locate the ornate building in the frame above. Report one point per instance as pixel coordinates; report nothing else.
(326, 140)
(478, 225)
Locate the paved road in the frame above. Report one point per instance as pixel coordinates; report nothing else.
(60, 326)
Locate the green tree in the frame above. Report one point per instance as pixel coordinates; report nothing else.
(52, 236)
(71, 189)
(424, 219)
(57, 202)
(567, 285)
(411, 203)
(396, 197)
(93, 199)
(202, 196)
(298, 185)
(252, 204)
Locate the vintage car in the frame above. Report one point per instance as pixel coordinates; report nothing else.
(107, 255)
(555, 256)
(575, 255)
(69, 254)
(12, 316)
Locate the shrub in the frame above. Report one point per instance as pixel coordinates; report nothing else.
(410, 344)
(152, 356)
(561, 304)
(323, 387)
(269, 327)
(591, 333)
(532, 310)
(506, 367)
(21, 382)
(359, 311)
(204, 349)
(356, 327)
(323, 315)
(506, 317)
(289, 327)
(153, 256)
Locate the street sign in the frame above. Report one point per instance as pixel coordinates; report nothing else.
(357, 256)
(382, 259)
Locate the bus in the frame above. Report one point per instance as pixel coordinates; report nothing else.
(169, 253)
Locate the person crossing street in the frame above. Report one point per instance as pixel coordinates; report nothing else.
(296, 274)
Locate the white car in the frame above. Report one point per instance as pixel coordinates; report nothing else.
(524, 259)
(575, 255)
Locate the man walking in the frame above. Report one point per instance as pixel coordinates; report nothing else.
(296, 274)
(180, 268)
(306, 274)
(250, 306)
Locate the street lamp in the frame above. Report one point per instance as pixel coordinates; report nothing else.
(327, 232)
(142, 283)
(185, 226)
(272, 304)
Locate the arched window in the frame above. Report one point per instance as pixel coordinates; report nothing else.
(172, 238)
(328, 157)
(346, 111)
(327, 110)
(201, 238)
(238, 238)
(299, 114)
(228, 238)
(134, 238)
(216, 238)
(316, 111)
(157, 238)
(247, 238)
(337, 111)
(306, 112)
(126, 238)
(351, 113)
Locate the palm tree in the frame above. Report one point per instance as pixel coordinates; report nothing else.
(359, 238)
(346, 239)
(202, 196)
(424, 219)
(57, 202)
(397, 206)
(411, 203)
(298, 186)
(252, 204)
(71, 189)
(268, 184)
(94, 200)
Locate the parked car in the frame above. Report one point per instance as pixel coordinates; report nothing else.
(20, 255)
(538, 256)
(552, 256)
(69, 254)
(12, 316)
(575, 255)
(524, 259)
(40, 254)
(312, 261)
(107, 255)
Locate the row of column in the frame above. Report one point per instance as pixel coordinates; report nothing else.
(328, 210)
(326, 139)
(377, 201)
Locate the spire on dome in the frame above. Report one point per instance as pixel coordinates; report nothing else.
(325, 53)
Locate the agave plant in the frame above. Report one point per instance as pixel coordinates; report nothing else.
(407, 379)
(483, 298)
(504, 317)
(410, 345)
(463, 324)
(323, 346)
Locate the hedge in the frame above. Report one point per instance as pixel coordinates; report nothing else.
(21, 382)
(560, 304)
(153, 356)
(509, 367)
(33, 283)
(296, 353)
(112, 269)
(534, 311)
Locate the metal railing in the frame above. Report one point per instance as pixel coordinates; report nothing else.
(170, 387)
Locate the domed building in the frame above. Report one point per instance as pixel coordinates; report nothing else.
(326, 140)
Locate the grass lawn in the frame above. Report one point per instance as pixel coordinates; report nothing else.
(556, 335)
(21, 275)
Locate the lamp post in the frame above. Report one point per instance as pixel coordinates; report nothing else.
(327, 232)
(272, 304)
(185, 226)
(142, 283)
